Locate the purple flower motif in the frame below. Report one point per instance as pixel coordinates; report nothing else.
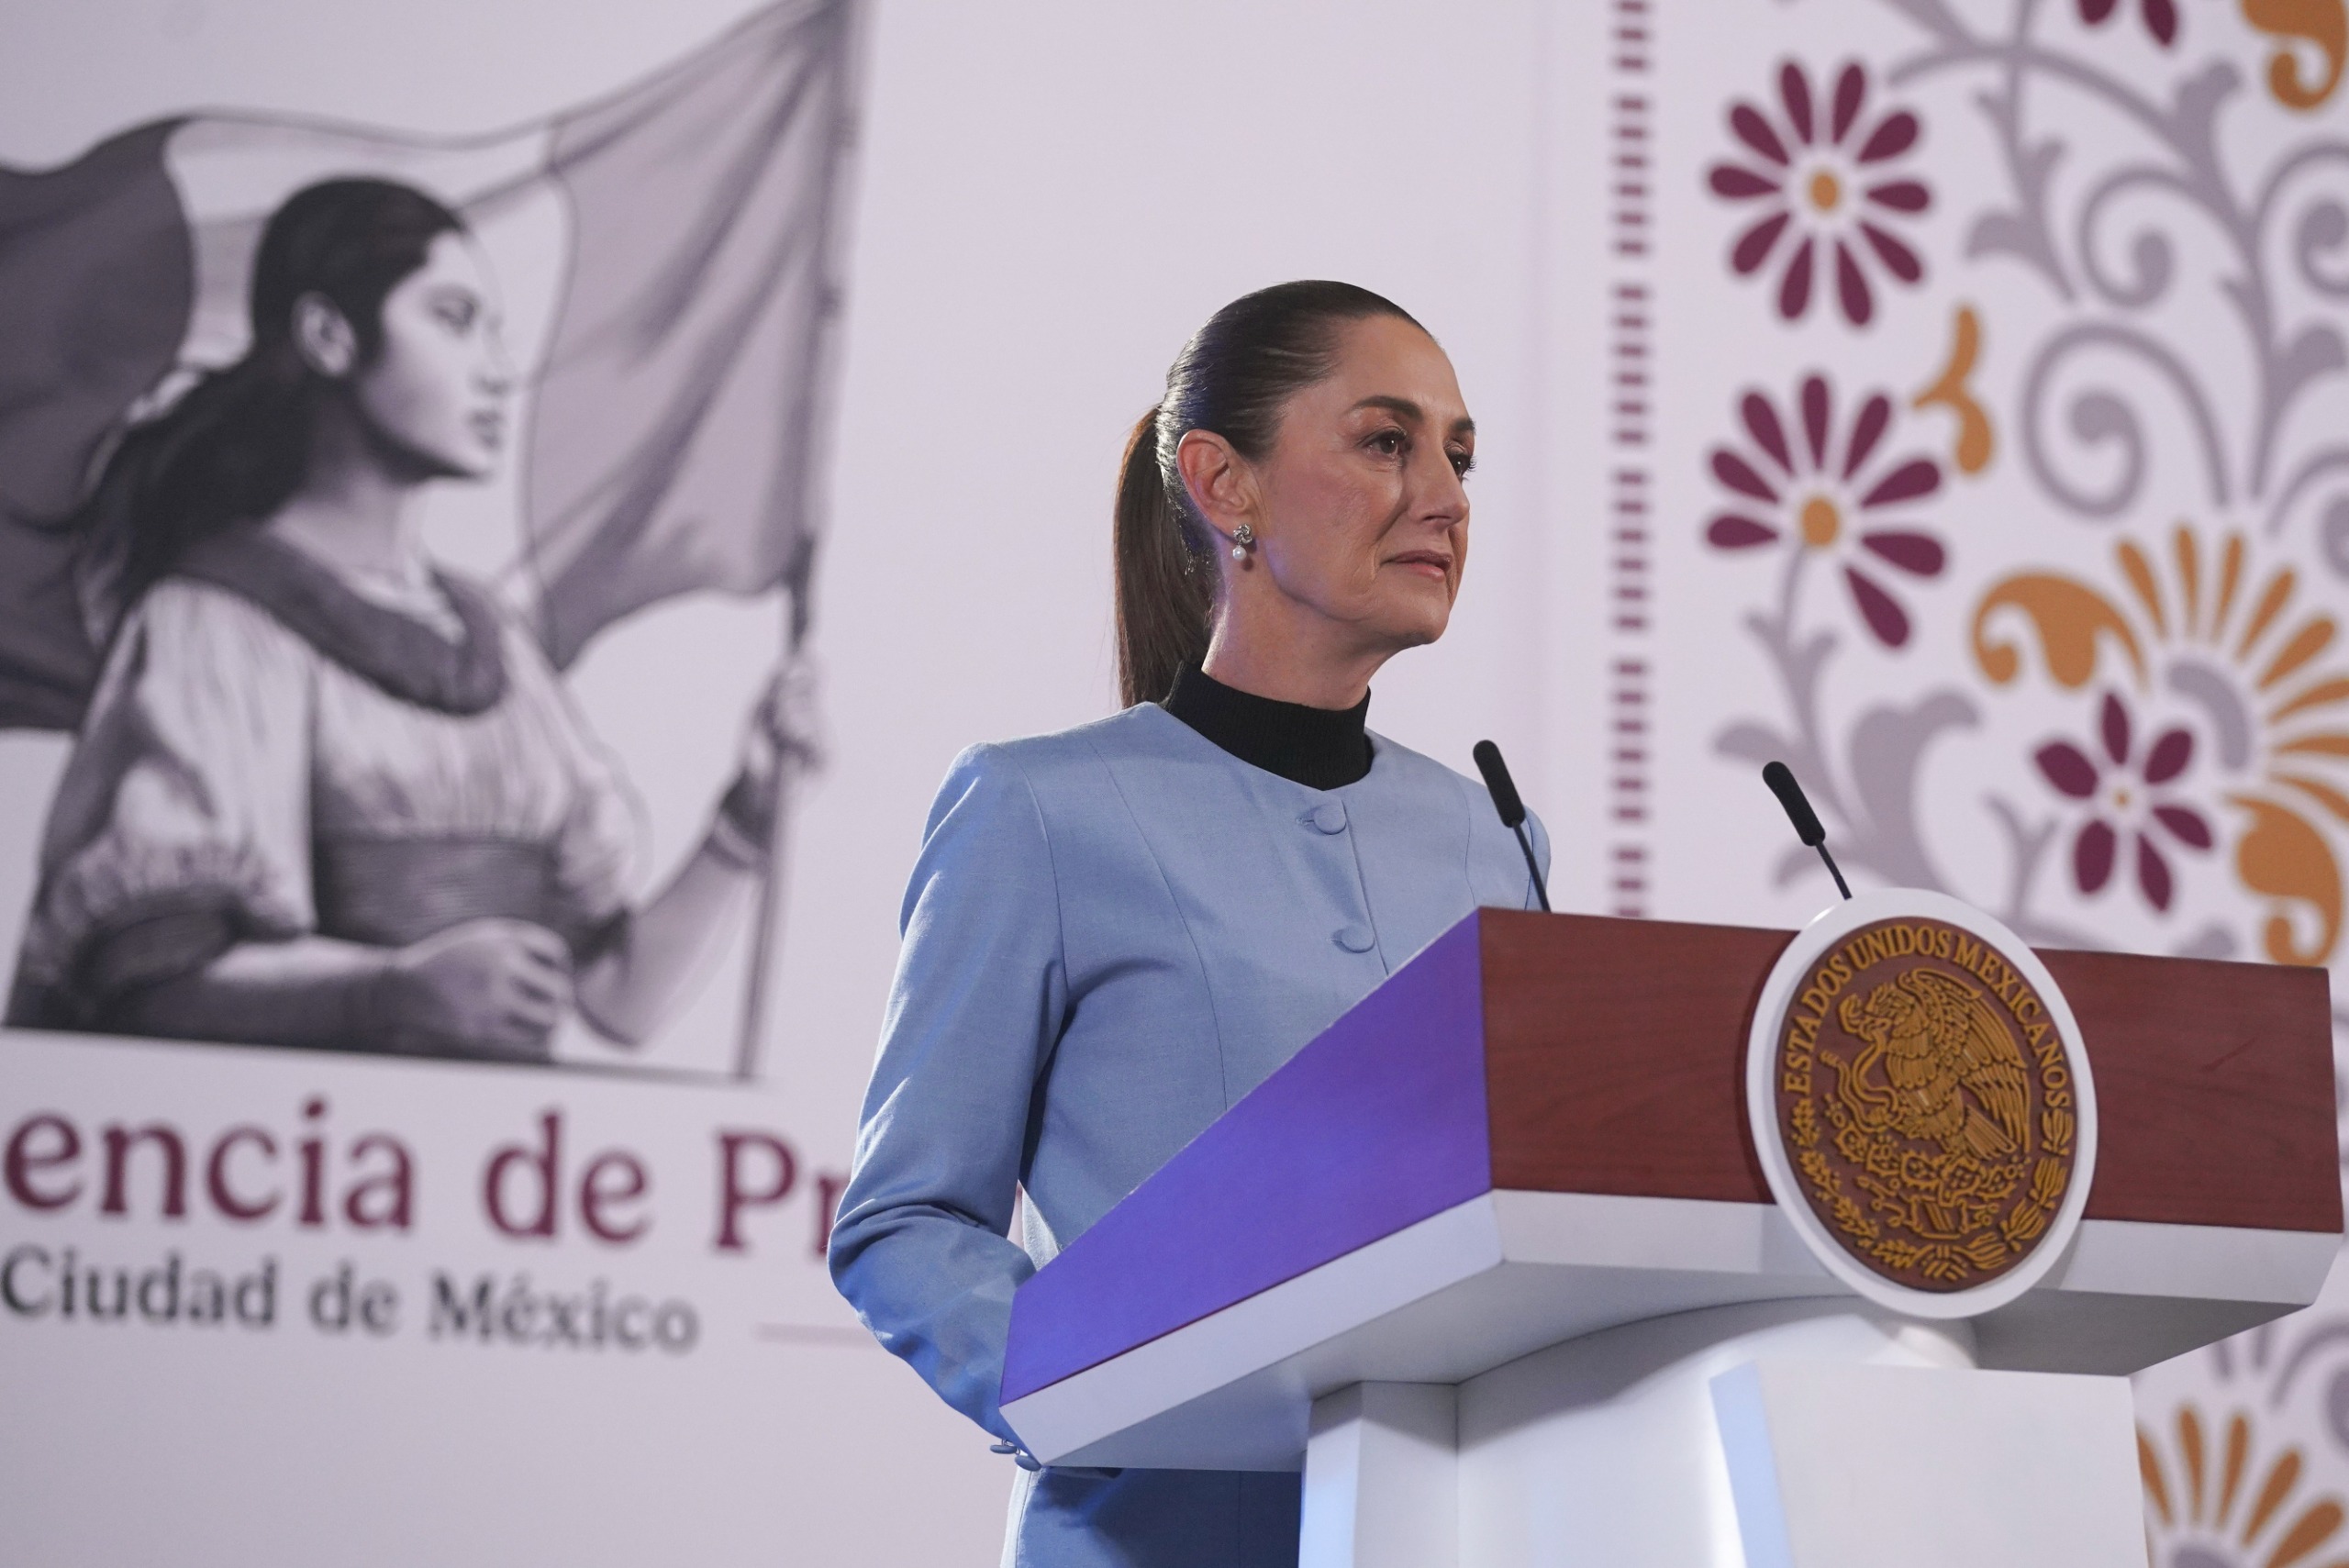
(1824, 493)
(2132, 789)
(1816, 176)
(2160, 17)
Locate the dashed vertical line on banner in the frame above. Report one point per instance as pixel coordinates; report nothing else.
(1630, 325)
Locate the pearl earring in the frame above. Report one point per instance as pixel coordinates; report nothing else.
(1244, 540)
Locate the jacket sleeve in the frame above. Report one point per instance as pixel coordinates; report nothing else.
(920, 1246)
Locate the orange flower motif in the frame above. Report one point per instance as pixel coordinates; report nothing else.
(2217, 1504)
(2254, 663)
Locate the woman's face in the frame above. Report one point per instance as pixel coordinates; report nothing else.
(435, 392)
(1363, 517)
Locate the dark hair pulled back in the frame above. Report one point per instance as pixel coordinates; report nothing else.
(1231, 379)
(236, 447)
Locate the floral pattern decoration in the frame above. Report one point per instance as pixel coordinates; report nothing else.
(2225, 1504)
(1829, 190)
(1827, 494)
(2174, 222)
(2125, 788)
(2237, 646)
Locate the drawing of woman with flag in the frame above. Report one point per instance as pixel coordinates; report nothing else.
(325, 793)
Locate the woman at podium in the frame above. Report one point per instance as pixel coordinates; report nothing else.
(1115, 932)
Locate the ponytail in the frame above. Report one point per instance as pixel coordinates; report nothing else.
(1232, 379)
(1164, 576)
(233, 450)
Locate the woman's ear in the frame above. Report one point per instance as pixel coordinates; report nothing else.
(1221, 483)
(323, 335)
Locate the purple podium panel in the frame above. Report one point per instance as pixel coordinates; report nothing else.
(1376, 1125)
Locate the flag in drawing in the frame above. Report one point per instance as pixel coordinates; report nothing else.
(666, 258)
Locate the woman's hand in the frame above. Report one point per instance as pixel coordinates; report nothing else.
(784, 726)
(495, 985)
(782, 734)
(631, 987)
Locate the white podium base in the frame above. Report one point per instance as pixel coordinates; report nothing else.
(1808, 1434)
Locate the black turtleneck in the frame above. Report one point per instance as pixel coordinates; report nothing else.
(1317, 747)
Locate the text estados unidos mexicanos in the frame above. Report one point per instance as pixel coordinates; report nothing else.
(535, 1187)
(62, 1286)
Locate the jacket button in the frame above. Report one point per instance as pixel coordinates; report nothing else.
(1330, 817)
(1354, 938)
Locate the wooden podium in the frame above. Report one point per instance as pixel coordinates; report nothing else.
(1493, 1260)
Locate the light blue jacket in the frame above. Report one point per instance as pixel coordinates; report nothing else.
(1112, 934)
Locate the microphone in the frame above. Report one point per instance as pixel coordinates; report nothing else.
(1503, 789)
(1781, 780)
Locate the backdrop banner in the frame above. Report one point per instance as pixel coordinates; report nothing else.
(260, 754)
(1978, 445)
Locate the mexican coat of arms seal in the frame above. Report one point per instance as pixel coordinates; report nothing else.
(1921, 1099)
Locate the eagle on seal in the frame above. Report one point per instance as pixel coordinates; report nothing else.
(1956, 1076)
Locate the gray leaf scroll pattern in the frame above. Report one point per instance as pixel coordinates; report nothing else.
(2283, 232)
